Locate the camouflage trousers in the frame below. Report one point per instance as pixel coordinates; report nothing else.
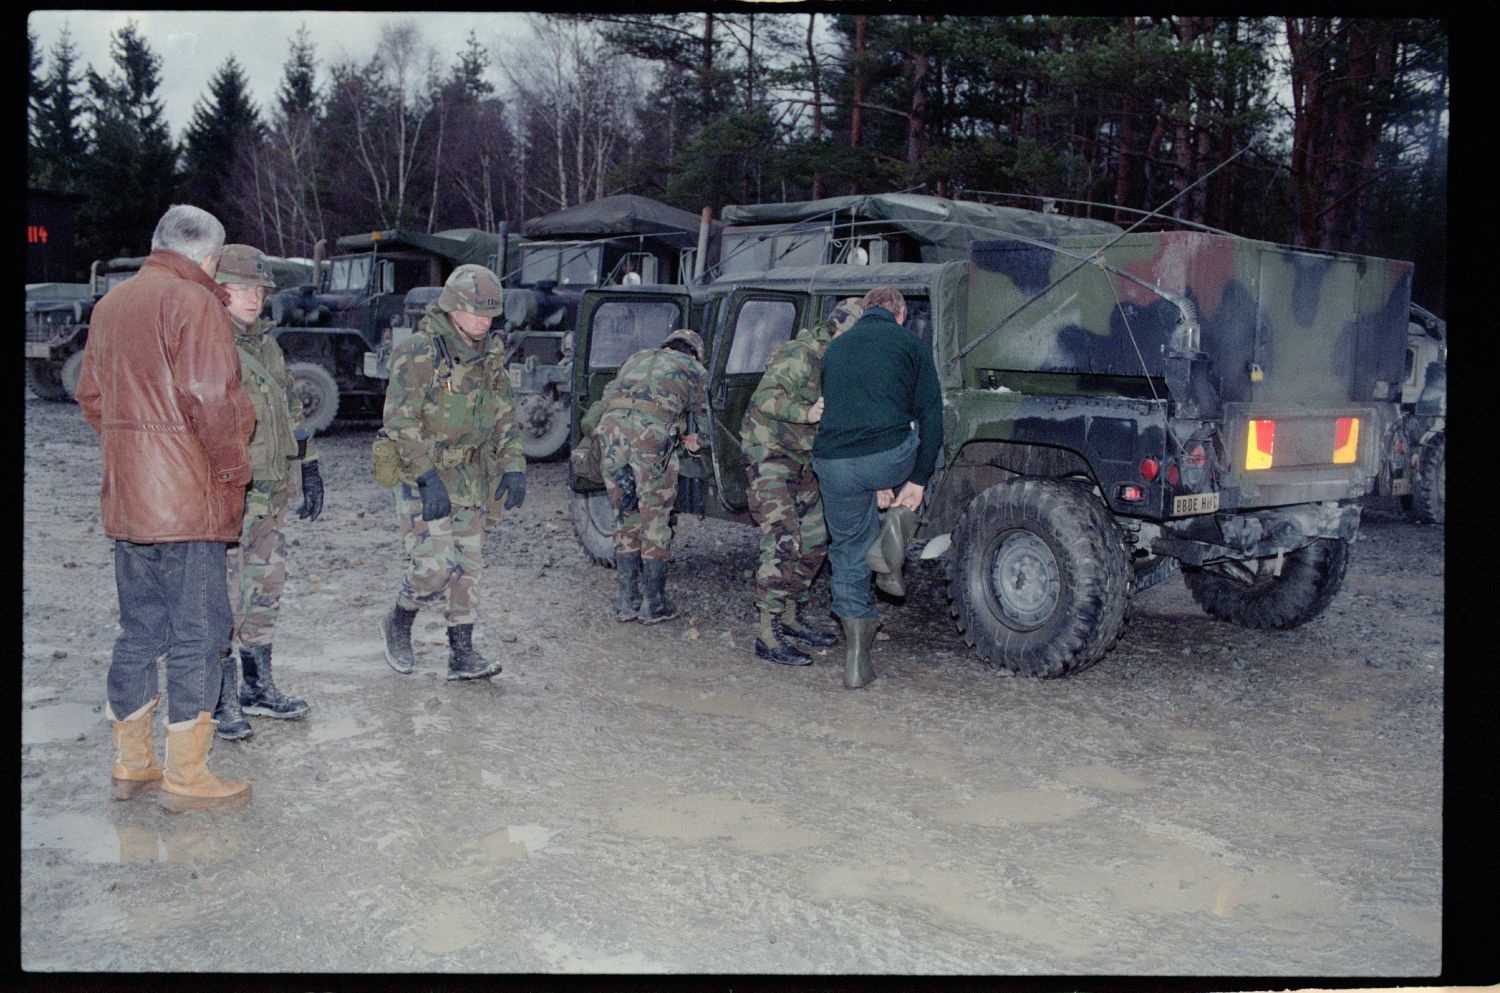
(444, 558)
(639, 456)
(257, 565)
(785, 502)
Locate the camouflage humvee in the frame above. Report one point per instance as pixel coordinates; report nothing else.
(1115, 409)
(1416, 465)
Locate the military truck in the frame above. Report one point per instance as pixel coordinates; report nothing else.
(1418, 448)
(326, 328)
(1116, 408)
(622, 239)
(57, 325)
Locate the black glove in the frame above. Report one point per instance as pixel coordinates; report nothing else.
(312, 492)
(435, 502)
(513, 485)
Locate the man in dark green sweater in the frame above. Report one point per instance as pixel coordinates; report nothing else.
(882, 428)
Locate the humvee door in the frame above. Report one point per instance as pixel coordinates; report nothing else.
(753, 323)
(612, 326)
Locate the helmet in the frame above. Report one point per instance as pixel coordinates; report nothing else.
(842, 317)
(475, 289)
(689, 336)
(244, 264)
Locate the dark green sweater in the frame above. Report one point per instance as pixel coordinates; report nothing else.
(878, 377)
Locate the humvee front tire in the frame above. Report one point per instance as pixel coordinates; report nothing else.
(1040, 581)
(544, 424)
(1250, 595)
(45, 379)
(1428, 490)
(318, 392)
(594, 523)
(72, 371)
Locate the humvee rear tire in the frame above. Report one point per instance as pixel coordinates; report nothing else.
(1428, 490)
(45, 379)
(544, 425)
(1310, 576)
(594, 523)
(71, 371)
(318, 392)
(1040, 582)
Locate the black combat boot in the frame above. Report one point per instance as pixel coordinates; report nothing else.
(655, 607)
(773, 644)
(463, 661)
(629, 603)
(859, 632)
(259, 695)
(231, 720)
(396, 626)
(794, 625)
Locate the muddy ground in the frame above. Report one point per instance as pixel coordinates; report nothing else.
(1207, 800)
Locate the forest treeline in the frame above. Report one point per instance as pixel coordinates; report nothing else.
(1325, 132)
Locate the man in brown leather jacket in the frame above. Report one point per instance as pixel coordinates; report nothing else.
(161, 385)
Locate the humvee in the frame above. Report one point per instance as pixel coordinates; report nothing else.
(620, 240)
(1116, 408)
(57, 320)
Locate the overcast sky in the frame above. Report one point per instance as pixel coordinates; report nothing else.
(193, 44)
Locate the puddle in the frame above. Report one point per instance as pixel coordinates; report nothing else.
(60, 722)
(93, 839)
(333, 728)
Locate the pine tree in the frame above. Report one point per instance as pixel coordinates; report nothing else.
(219, 125)
(128, 175)
(58, 142)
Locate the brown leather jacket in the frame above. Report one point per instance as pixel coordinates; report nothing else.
(161, 385)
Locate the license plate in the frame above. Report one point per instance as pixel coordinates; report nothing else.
(38, 350)
(1194, 503)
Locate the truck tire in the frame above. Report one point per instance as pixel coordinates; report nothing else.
(1310, 576)
(318, 392)
(1040, 582)
(45, 379)
(71, 370)
(1428, 490)
(594, 523)
(544, 424)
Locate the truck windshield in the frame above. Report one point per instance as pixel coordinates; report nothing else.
(569, 265)
(350, 273)
(623, 327)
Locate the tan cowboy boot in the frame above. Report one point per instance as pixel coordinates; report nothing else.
(186, 782)
(136, 768)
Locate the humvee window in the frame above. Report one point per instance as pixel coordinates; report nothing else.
(580, 267)
(624, 327)
(759, 328)
(806, 248)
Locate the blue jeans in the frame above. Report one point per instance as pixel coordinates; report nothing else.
(853, 520)
(174, 599)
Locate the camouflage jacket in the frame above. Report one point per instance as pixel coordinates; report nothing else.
(448, 406)
(279, 423)
(658, 387)
(775, 423)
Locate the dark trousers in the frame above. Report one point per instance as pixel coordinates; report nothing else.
(174, 599)
(848, 487)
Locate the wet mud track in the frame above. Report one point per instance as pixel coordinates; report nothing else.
(1206, 800)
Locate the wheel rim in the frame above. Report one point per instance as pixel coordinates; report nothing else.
(1023, 579)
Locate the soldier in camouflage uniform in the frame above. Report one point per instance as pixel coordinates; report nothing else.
(776, 440)
(281, 459)
(646, 409)
(450, 415)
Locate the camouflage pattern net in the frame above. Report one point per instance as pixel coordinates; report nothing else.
(475, 289)
(785, 502)
(445, 558)
(457, 416)
(246, 265)
(257, 565)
